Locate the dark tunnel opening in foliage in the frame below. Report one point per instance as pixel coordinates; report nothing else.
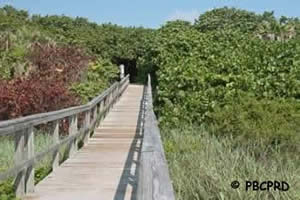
(130, 67)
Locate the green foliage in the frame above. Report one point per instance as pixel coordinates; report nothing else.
(7, 191)
(100, 75)
(197, 71)
(268, 121)
(228, 18)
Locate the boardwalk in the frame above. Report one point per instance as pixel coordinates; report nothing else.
(105, 169)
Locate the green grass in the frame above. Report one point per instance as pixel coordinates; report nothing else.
(41, 142)
(203, 166)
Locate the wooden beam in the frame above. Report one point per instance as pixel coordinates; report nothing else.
(19, 183)
(154, 182)
(86, 124)
(55, 136)
(29, 153)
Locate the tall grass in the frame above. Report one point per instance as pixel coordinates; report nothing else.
(7, 149)
(203, 166)
(41, 142)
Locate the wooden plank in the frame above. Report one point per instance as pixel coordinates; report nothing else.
(104, 169)
(24, 137)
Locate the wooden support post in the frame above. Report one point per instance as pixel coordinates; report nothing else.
(110, 100)
(101, 108)
(86, 124)
(29, 151)
(72, 131)
(55, 135)
(19, 183)
(118, 92)
(95, 114)
(115, 94)
(24, 150)
(105, 104)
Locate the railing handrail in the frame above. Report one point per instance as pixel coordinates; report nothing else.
(23, 131)
(13, 125)
(154, 182)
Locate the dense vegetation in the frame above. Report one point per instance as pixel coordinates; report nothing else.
(227, 88)
(236, 75)
(54, 62)
(62, 49)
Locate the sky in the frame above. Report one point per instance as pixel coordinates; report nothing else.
(148, 13)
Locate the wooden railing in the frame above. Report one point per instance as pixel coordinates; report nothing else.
(22, 129)
(153, 178)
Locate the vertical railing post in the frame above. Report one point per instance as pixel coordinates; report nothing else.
(101, 111)
(118, 91)
(95, 114)
(19, 183)
(86, 125)
(29, 151)
(97, 107)
(72, 131)
(55, 136)
(110, 99)
(24, 150)
(104, 106)
(121, 71)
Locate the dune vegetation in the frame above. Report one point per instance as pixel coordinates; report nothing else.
(226, 90)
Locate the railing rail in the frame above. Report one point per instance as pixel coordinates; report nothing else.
(154, 182)
(23, 131)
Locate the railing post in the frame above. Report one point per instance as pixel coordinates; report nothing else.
(105, 100)
(24, 150)
(86, 124)
(55, 135)
(73, 131)
(19, 183)
(95, 114)
(121, 71)
(101, 108)
(119, 90)
(111, 99)
(29, 150)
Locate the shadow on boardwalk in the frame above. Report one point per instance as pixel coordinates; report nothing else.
(130, 173)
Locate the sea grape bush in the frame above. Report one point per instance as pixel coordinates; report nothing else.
(197, 71)
(200, 73)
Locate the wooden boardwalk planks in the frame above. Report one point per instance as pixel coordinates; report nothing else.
(105, 169)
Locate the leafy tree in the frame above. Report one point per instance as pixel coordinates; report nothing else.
(228, 18)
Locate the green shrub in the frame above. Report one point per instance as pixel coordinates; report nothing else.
(100, 75)
(246, 118)
(198, 71)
